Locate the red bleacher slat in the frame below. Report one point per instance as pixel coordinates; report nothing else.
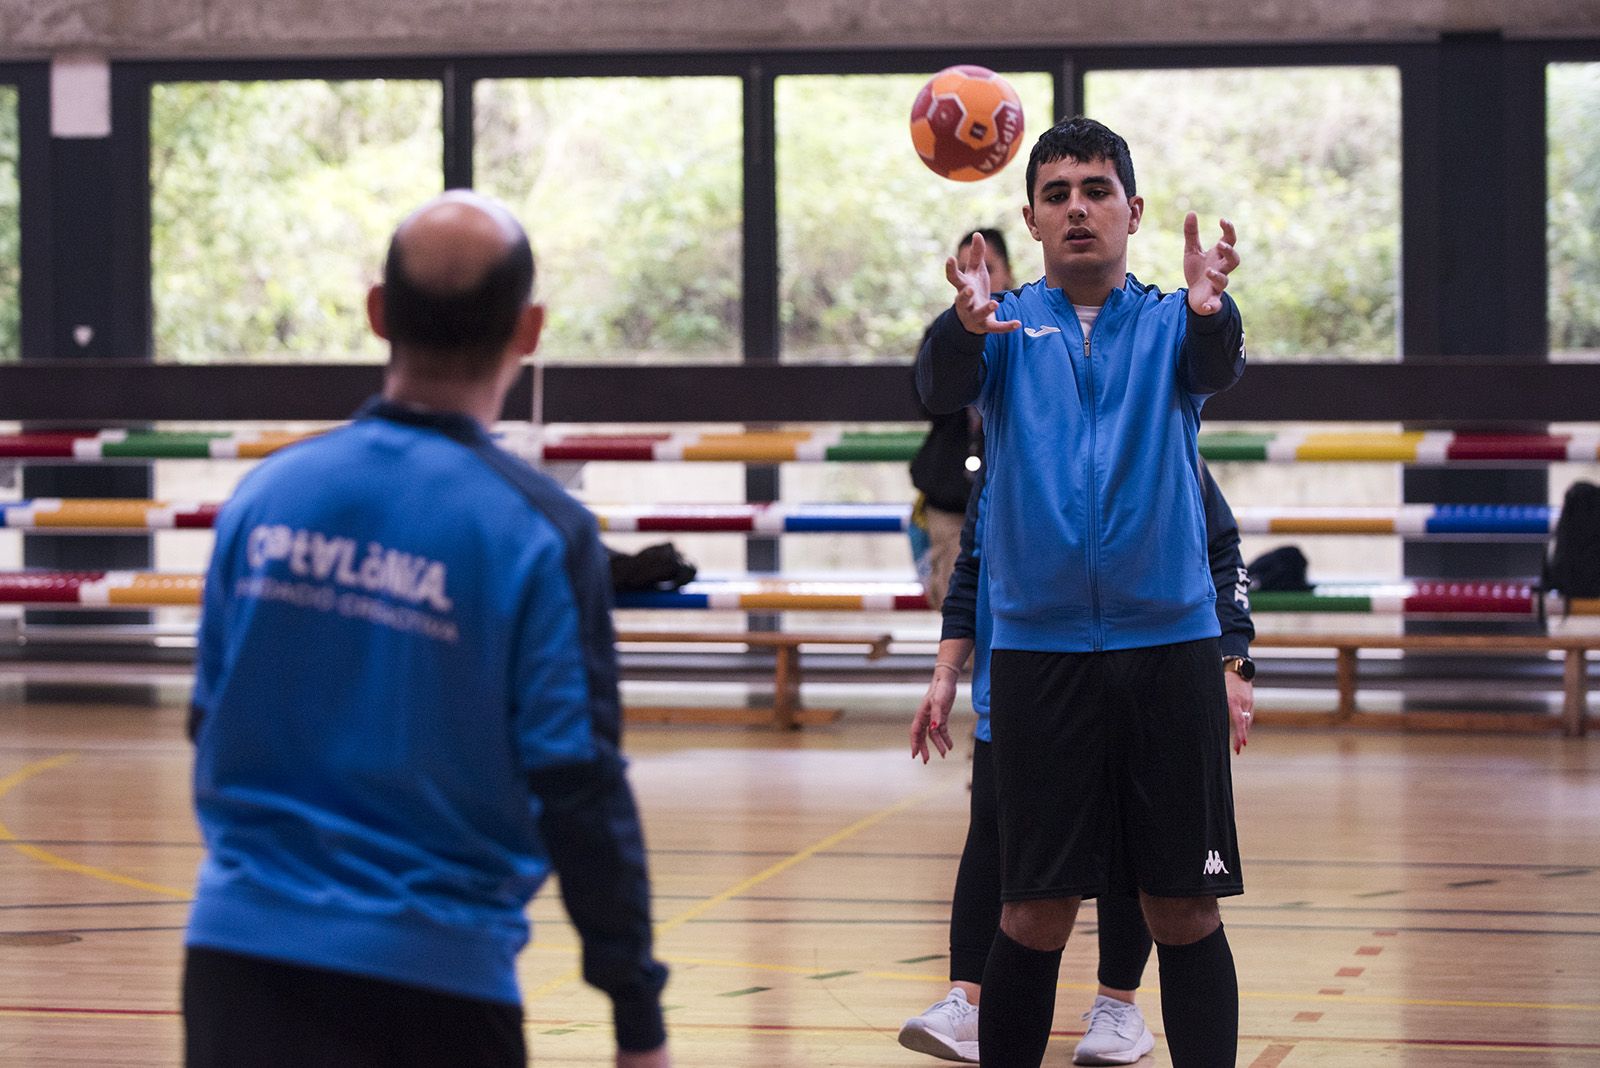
(203, 517)
(25, 446)
(56, 587)
(696, 522)
(1508, 447)
(600, 449)
(1448, 597)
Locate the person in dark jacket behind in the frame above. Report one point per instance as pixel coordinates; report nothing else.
(405, 711)
(942, 470)
(1090, 384)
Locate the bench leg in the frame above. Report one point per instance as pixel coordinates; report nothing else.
(786, 687)
(1575, 695)
(1345, 674)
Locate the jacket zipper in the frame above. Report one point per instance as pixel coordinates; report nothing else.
(1096, 625)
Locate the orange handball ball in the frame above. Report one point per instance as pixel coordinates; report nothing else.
(966, 123)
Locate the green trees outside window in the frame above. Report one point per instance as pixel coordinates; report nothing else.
(631, 189)
(10, 230)
(270, 206)
(1573, 168)
(1306, 162)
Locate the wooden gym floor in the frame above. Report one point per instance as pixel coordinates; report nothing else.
(1413, 900)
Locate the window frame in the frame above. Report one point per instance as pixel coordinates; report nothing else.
(1278, 391)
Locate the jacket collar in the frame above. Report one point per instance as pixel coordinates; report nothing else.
(462, 428)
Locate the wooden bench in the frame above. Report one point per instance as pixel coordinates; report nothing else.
(1574, 719)
(786, 712)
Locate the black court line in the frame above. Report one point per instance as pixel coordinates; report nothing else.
(1233, 907)
(1473, 882)
(1565, 867)
(1233, 924)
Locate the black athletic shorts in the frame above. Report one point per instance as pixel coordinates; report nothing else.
(247, 1012)
(1112, 771)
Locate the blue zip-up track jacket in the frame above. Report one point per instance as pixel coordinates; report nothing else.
(406, 714)
(1095, 536)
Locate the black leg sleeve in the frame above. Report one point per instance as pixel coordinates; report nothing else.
(1124, 941)
(975, 909)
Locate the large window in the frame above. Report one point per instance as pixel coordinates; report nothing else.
(271, 206)
(1573, 124)
(864, 227)
(1306, 162)
(632, 191)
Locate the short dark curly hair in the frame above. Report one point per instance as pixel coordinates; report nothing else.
(1083, 140)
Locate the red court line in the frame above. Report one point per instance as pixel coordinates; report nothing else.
(52, 1010)
(1272, 1056)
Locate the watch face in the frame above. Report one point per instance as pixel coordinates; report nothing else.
(1247, 668)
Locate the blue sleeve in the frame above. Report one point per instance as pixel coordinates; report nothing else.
(1227, 570)
(1212, 355)
(949, 365)
(211, 640)
(960, 606)
(569, 727)
(590, 825)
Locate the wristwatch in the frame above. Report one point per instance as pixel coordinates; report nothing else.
(1241, 666)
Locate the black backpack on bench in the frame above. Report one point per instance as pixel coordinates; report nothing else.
(1573, 566)
(659, 568)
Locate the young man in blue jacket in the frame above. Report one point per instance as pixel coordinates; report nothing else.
(405, 712)
(1107, 702)
(1117, 1033)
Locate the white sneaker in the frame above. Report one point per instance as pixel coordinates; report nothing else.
(1116, 1035)
(949, 1029)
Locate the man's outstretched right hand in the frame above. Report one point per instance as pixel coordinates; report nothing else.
(969, 273)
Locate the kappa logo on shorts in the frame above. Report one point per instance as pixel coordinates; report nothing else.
(1214, 865)
(1040, 331)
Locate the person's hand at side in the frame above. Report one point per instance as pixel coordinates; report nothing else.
(932, 720)
(1241, 708)
(656, 1058)
(1206, 270)
(969, 273)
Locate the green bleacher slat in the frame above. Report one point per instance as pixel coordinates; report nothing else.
(1280, 601)
(163, 445)
(1234, 445)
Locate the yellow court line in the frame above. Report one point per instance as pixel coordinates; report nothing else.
(44, 856)
(760, 877)
(795, 858)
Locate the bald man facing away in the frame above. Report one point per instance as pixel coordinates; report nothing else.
(405, 711)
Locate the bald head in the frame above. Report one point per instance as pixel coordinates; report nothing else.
(458, 275)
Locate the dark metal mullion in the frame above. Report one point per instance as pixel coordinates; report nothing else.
(98, 217)
(132, 296)
(1420, 182)
(1482, 194)
(761, 330)
(457, 126)
(1526, 153)
(1068, 84)
(762, 341)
